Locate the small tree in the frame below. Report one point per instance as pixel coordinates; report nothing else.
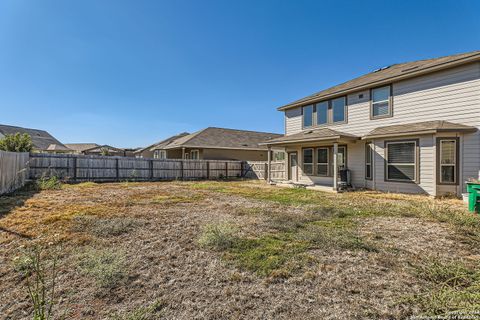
(16, 142)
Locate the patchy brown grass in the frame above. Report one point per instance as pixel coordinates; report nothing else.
(242, 249)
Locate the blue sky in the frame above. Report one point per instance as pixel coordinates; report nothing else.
(129, 73)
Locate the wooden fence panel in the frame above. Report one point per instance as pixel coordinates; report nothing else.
(100, 168)
(13, 170)
(258, 170)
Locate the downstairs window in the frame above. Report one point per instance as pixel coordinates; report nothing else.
(401, 161)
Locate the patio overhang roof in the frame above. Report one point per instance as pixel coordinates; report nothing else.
(418, 128)
(314, 135)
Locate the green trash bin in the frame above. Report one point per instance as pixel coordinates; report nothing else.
(473, 190)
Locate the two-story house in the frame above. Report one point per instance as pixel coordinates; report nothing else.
(409, 127)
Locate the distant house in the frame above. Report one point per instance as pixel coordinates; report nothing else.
(41, 139)
(96, 149)
(152, 150)
(215, 144)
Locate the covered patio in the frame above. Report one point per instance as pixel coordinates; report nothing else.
(314, 157)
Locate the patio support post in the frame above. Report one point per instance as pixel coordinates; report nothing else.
(269, 165)
(183, 153)
(335, 166)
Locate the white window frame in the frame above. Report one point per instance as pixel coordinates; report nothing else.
(415, 162)
(195, 152)
(389, 100)
(321, 163)
(308, 163)
(156, 154)
(454, 165)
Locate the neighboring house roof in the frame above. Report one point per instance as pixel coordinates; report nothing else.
(58, 147)
(387, 75)
(102, 147)
(222, 138)
(426, 127)
(162, 143)
(312, 135)
(79, 147)
(41, 139)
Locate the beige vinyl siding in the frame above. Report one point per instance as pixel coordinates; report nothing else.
(452, 95)
(293, 121)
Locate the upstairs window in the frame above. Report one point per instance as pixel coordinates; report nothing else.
(322, 113)
(338, 110)
(448, 161)
(308, 116)
(325, 112)
(308, 161)
(401, 161)
(381, 103)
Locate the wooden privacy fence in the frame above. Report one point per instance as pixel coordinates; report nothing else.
(259, 170)
(101, 168)
(13, 170)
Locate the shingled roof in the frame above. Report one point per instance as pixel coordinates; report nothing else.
(79, 147)
(161, 144)
(41, 139)
(425, 127)
(312, 136)
(386, 75)
(221, 138)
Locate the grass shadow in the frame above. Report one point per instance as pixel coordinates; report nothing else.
(10, 201)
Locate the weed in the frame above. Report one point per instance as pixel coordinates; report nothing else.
(454, 287)
(267, 255)
(49, 183)
(219, 236)
(106, 266)
(40, 282)
(143, 313)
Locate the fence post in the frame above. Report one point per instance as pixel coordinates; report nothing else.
(241, 169)
(226, 170)
(265, 174)
(208, 170)
(74, 168)
(117, 170)
(151, 169)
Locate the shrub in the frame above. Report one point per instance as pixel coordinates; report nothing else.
(16, 143)
(107, 267)
(49, 183)
(220, 236)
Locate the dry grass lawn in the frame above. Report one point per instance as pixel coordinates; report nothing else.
(238, 250)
